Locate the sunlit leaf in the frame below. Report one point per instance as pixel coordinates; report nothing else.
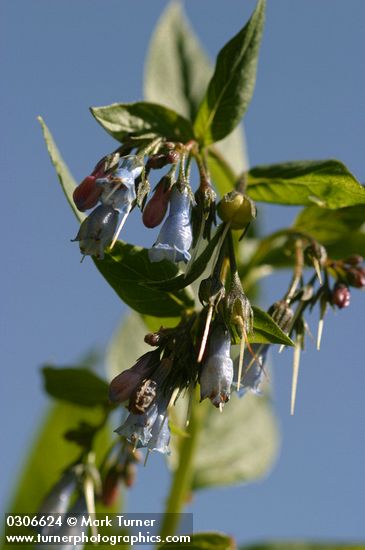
(326, 183)
(142, 120)
(232, 84)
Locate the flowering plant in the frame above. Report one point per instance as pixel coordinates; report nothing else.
(203, 341)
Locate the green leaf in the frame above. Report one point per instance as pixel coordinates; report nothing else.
(326, 183)
(231, 87)
(128, 271)
(75, 385)
(142, 120)
(266, 331)
(36, 479)
(177, 74)
(296, 545)
(222, 174)
(328, 227)
(177, 69)
(226, 456)
(352, 243)
(67, 182)
(206, 541)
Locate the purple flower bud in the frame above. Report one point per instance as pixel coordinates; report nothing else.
(97, 230)
(175, 238)
(156, 208)
(217, 371)
(356, 277)
(87, 194)
(126, 383)
(341, 295)
(253, 369)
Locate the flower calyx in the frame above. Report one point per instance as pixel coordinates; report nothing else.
(237, 209)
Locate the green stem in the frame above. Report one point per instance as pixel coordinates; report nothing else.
(183, 476)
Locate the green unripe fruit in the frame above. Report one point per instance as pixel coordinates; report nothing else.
(236, 208)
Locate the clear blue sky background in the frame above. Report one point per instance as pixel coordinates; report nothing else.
(58, 58)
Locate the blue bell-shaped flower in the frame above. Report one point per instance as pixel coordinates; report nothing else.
(97, 230)
(138, 427)
(175, 238)
(217, 370)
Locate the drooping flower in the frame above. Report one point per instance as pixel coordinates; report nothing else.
(137, 428)
(175, 238)
(97, 230)
(156, 208)
(253, 369)
(147, 425)
(118, 188)
(217, 371)
(160, 433)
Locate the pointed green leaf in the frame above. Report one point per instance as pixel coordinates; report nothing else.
(231, 87)
(142, 120)
(36, 479)
(326, 183)
(177, 75)
(266, 331)
(225, 456)
(128, 271)
(67, 182)
(177, 69)
(329, 226)
(352, 243)
(75, 385)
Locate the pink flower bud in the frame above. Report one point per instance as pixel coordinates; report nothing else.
(356, 277)
(127, 382)
(110, 487)
(156, 207)
(87, 194)
(341, 296)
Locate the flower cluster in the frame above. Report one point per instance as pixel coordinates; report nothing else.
(199, 349)
(115, 190)
(119, 183)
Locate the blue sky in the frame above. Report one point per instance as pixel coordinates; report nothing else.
(60, 57)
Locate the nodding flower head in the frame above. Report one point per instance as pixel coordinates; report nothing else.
(97, 230)
(137, 428)
(175, 238)
(217, 371)
(118, 187)
(146, 425)
(253, 369)
(127, 382)
(160, 433)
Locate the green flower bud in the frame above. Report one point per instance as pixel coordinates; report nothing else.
(237, 208)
